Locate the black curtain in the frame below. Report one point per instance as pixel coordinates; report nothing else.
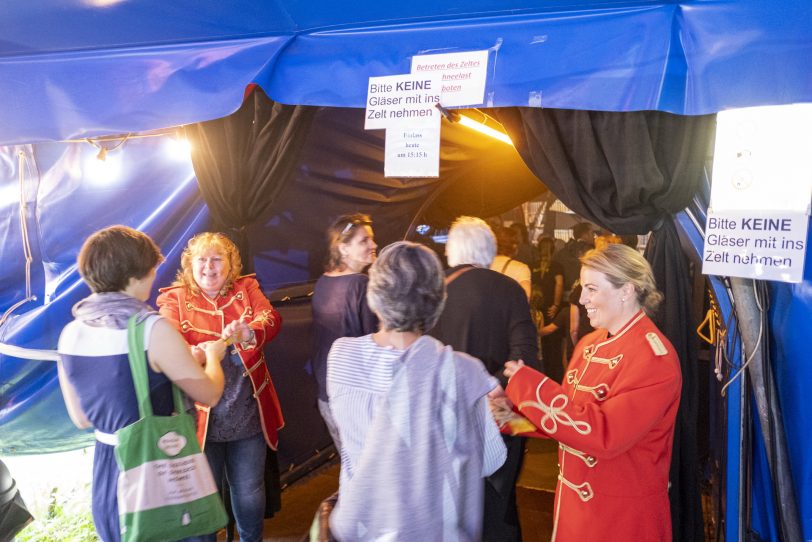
(629, 173)
(243, 161)
(674, 319)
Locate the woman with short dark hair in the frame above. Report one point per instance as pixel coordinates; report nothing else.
(118, 264)
(339, 298)
(417, 434)
(614, 414)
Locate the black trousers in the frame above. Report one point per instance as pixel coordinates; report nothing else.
(501, 517)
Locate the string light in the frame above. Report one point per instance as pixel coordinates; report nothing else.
(102, 155)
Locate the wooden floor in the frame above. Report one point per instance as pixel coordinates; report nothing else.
(534, 495)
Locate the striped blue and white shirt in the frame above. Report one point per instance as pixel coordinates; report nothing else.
(417, 439)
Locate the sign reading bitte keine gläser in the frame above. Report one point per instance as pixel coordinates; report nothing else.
(752, 244)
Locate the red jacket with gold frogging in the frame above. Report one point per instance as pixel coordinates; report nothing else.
(201, 319)
(613, 418)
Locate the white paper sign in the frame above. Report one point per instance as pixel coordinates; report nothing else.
(462, 75)
(413, 151)
(766, 245)
(402, 99)
(763, 159)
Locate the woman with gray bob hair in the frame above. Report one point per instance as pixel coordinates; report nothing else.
(470, 241)
(406, 287)
(412, 414)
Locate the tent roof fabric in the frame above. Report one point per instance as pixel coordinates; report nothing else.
(82, 68)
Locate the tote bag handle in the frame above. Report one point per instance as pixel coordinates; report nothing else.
(138, 368)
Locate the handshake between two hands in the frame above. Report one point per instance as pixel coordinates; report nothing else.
(236, 331)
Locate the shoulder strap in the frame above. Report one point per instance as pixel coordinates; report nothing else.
(138, 368)
(138, 365)
(450, 278)
(507, 263)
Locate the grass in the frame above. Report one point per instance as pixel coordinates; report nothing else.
(67, 517)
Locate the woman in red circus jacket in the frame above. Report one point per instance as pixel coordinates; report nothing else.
(210, 300)
(614, 414)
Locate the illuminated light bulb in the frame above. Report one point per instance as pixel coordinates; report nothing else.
(487, 130)
(178, 148)
(102, 172)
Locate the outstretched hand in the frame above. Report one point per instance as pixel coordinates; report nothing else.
(215, 350)
(511, 367)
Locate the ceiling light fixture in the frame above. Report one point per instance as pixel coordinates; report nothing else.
(481, 127)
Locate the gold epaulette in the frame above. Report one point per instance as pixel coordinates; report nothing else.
(656, 344)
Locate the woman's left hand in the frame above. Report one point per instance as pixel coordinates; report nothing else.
(238, 331)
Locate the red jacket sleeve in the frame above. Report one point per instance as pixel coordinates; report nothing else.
(603, 429)
(267, 321)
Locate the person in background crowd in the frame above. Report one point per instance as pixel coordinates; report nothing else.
(552, 305)
(579, 325)
(209, 299)
(504, 262)
(526, 252)
(416, 430)
(487, 316)
(614, 414)
(118, 264)
(582, 240)
(339, 304)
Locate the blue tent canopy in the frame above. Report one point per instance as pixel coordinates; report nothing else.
(73, 69)
(81, 68)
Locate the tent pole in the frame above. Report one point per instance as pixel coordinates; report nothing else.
(752, 319)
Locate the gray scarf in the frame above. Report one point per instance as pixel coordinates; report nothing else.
(110, 309)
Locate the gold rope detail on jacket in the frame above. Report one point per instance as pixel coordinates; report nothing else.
(584, 490)
(590, 460)
(554, 413)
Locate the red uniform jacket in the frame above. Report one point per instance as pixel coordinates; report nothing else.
(614, 420)
(200, 319)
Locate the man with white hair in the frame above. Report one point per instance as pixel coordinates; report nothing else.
(487, 316)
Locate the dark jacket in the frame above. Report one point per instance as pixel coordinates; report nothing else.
(487, 316)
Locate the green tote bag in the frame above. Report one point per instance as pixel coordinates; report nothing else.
(165, 487)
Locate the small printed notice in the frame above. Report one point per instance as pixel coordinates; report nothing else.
(765, 245)
(462, 75)
(402, 99)
(413, 151)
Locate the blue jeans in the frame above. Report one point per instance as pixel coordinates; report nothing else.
(244, 464)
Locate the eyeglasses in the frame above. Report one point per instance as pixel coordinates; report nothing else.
(355, 222)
